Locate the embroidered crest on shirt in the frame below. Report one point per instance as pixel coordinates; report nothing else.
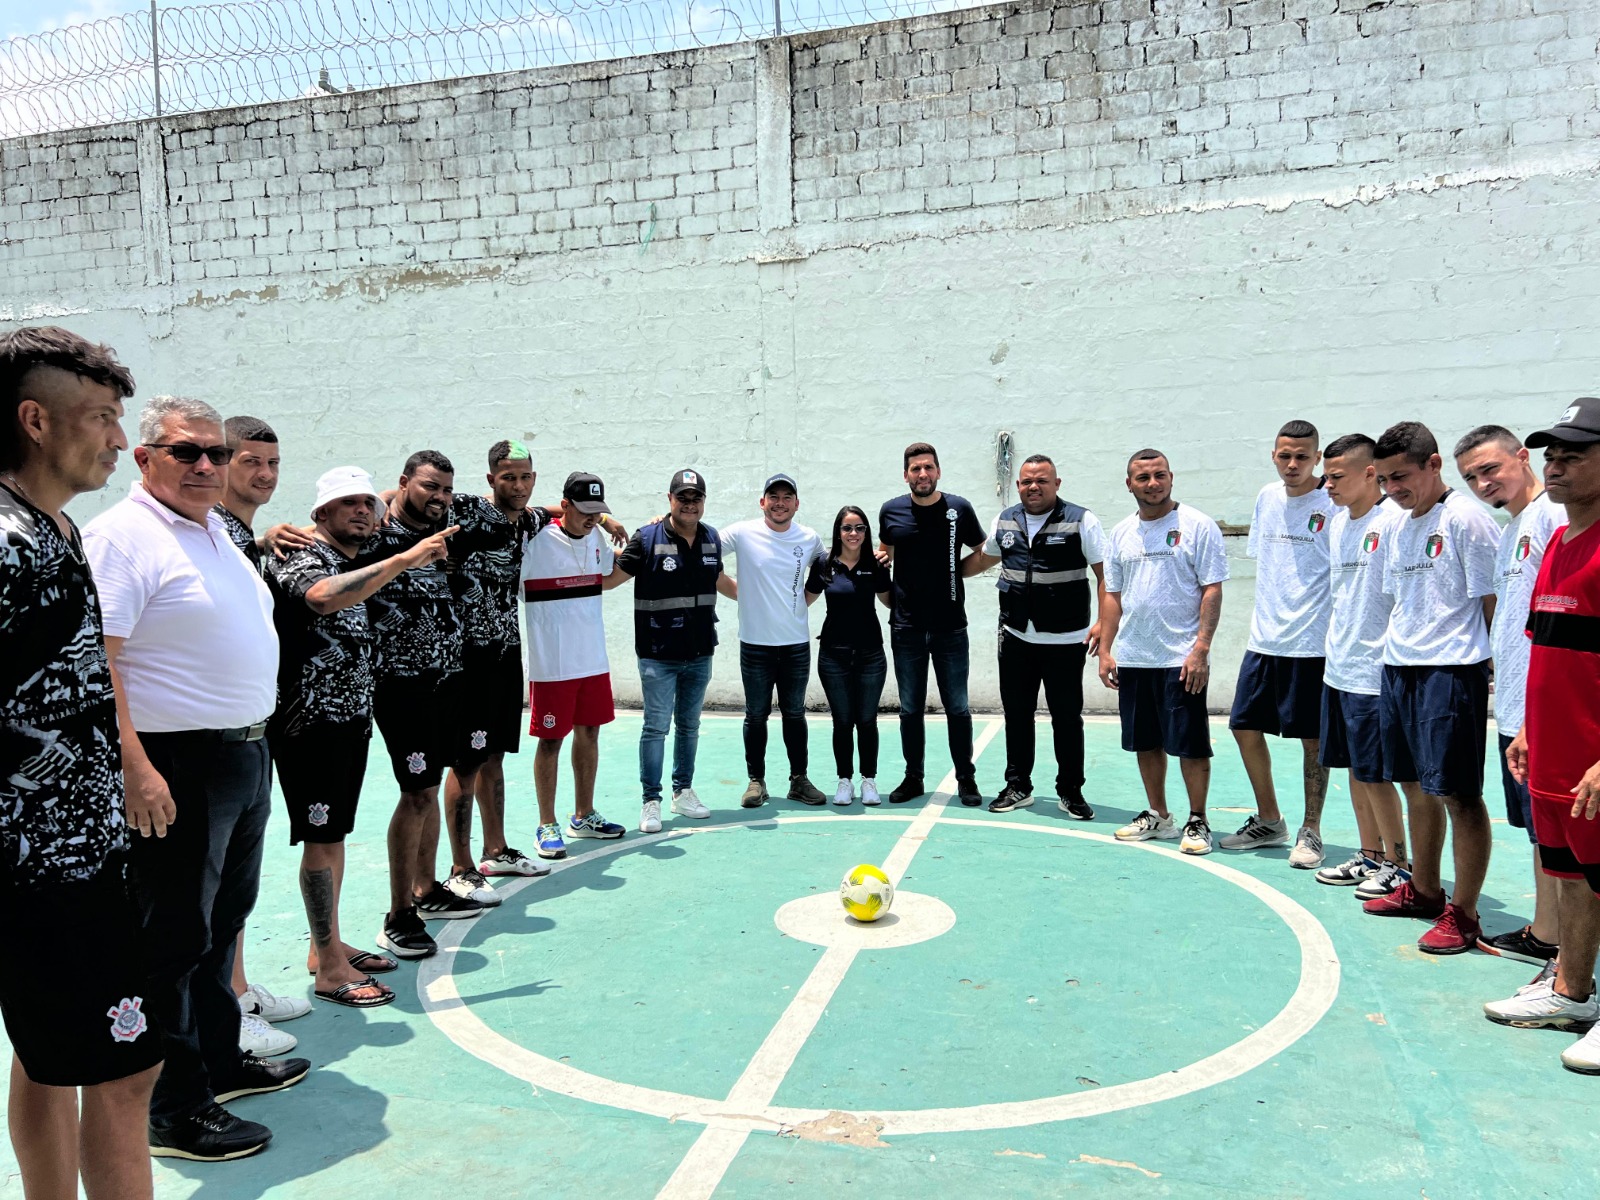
(1174, 536)
(1524, 547)
(1370, 542)
(1435, 545)
(318, 814)
(1316, 521)
(127, 1021)
(417, 763)
(669, 564)
(1008, 540)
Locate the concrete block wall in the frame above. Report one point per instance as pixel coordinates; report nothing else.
(1090, 226)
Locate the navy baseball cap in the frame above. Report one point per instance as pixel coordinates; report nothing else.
(1579, 424)
(780, 479)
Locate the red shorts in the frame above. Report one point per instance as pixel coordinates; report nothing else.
(1569, 846)
(555, 707)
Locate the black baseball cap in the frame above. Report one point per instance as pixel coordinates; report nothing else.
(1579, 424)
(587, 493)
(687, 481)
(778, 479)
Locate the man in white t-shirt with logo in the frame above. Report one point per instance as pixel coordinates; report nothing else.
(1435, 692)
(565, 567)
(1494, 464)
(775, 555)
(1363, 525)
(1164, 570)
(1280, 680)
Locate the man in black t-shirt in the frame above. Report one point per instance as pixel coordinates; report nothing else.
(63, 834)
(923, 534)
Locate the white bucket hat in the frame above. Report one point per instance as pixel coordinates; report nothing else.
(341, 482)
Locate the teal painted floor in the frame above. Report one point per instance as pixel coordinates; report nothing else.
(1074, 966)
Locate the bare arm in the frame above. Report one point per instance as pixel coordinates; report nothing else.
(1110, 620)
(978, 562)
(728, 586)
(1488, 610)
(338, 592)
(1099, 570)
(886, 599)
(885, 554)
(617, 578)
(1196, 669)
(148, 806)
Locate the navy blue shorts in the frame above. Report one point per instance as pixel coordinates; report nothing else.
(1158, 714)
(1351, 736)
(1278, 695)
(1519, 805)
(1435, 724)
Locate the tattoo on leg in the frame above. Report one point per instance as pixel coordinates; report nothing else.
(316, 888)
(1316, 781)
(462, 818)
(497, 797)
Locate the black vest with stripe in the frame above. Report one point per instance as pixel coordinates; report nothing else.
(675, 594)
(1046, 583)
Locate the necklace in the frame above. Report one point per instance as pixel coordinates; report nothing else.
(11, 477)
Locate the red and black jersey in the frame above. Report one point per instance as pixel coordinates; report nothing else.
(1563, 712)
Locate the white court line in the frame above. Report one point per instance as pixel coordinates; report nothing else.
(714, 1150)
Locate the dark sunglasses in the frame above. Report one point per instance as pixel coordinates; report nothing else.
(189, 453)
(852, 529)
(690, 497)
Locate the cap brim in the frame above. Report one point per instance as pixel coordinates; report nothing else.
(590, 508)
(1575, 437)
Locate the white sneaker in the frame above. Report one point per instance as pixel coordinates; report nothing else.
(258, 1002)
(844, 793)
(1583, 1056)
(687, 804)
(1146, 826)
(511, 862)
(1196, 835)
(1256, 834)
(1307, 852)
(869, 793)
(469, 885)
(1539, 1006)
(650, 817)
(258, 1038)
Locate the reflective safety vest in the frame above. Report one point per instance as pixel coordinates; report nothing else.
(1045, 583)
(675, 594)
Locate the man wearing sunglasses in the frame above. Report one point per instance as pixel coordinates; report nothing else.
(194, 663)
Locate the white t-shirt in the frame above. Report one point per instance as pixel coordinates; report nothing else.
(1438, 569)
(1516, 569)
(561, 596)
(201, 649)
(1289, 539)
(1360, 613)
(1090, 533)
(1159, 568)
(772, 580)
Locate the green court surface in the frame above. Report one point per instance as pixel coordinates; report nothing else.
(1057, 1014)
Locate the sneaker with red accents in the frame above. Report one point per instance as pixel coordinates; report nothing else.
(1453, 933)
(1404, 901)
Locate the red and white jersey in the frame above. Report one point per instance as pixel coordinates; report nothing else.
(561, 578)
(1562, 719)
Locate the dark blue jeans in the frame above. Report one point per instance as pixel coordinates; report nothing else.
(674, 693)
(788, 668)
(913, 650)
(195, 887)
(853, 681)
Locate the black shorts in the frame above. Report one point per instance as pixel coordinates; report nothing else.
(1158, 714)
(1435, 723)
(1352, 734)
(1278, 695)
(490, 693)
(74, 1025)
(413, 715)
(1519, 804)
(320, 771)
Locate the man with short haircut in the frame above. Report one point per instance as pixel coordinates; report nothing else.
(676, 565)
(74, 1033)
(1280, 681)
(1046, 548)
(1165, 567)
(775, 555)
(922, 534)
(194, 661)
(1363, 525)
(1495, 466)
(1556, 753)
(565, 567)
(1434, 699)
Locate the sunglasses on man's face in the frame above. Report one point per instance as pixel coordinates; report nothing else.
(188, 453)
(852, 529)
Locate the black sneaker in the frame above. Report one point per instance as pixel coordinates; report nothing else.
(967, 791)
(404, 936)
(211, 1135)
(257, 1076)
(1521, 945)
(1011, 798)
(803, 790)
(441, 904)
(1076, 807)
(908, 788)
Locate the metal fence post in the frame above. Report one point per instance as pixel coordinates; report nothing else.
(155, 54)
(777, 17)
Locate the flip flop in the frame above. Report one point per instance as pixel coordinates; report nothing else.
(341, 994)
(372, 964)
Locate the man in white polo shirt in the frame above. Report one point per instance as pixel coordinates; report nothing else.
(775, 555)
(194, 663)
(1434, 710)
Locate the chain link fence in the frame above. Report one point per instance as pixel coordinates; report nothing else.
(193, 58)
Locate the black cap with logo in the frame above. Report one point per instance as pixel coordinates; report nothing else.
(587, 493)
(781, 480)
(686, 481)
(1579, 424)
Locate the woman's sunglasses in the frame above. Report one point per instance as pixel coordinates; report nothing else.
(852, 529)
(189, 453)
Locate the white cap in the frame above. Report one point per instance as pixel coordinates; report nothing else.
(341, 482)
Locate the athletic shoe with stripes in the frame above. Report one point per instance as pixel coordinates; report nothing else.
(1256, 834)
(594, 826)
(1540, 1006)
(1196, 835)
(511, 862)
(1521, 945)
(1350, 872)
(1146, 826)
(1384, 882)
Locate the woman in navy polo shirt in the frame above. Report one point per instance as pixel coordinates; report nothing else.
(851, 662)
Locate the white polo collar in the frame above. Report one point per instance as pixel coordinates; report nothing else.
(141, 496)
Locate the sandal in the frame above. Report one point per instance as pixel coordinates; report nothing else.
(372, 964)
(341, 994)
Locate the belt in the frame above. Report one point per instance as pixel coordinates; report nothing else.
(244, 733)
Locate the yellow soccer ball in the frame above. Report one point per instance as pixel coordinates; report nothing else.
(866, 892)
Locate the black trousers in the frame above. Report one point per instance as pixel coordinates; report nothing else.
(194, 888)
(1023, 667)
(763, 668)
